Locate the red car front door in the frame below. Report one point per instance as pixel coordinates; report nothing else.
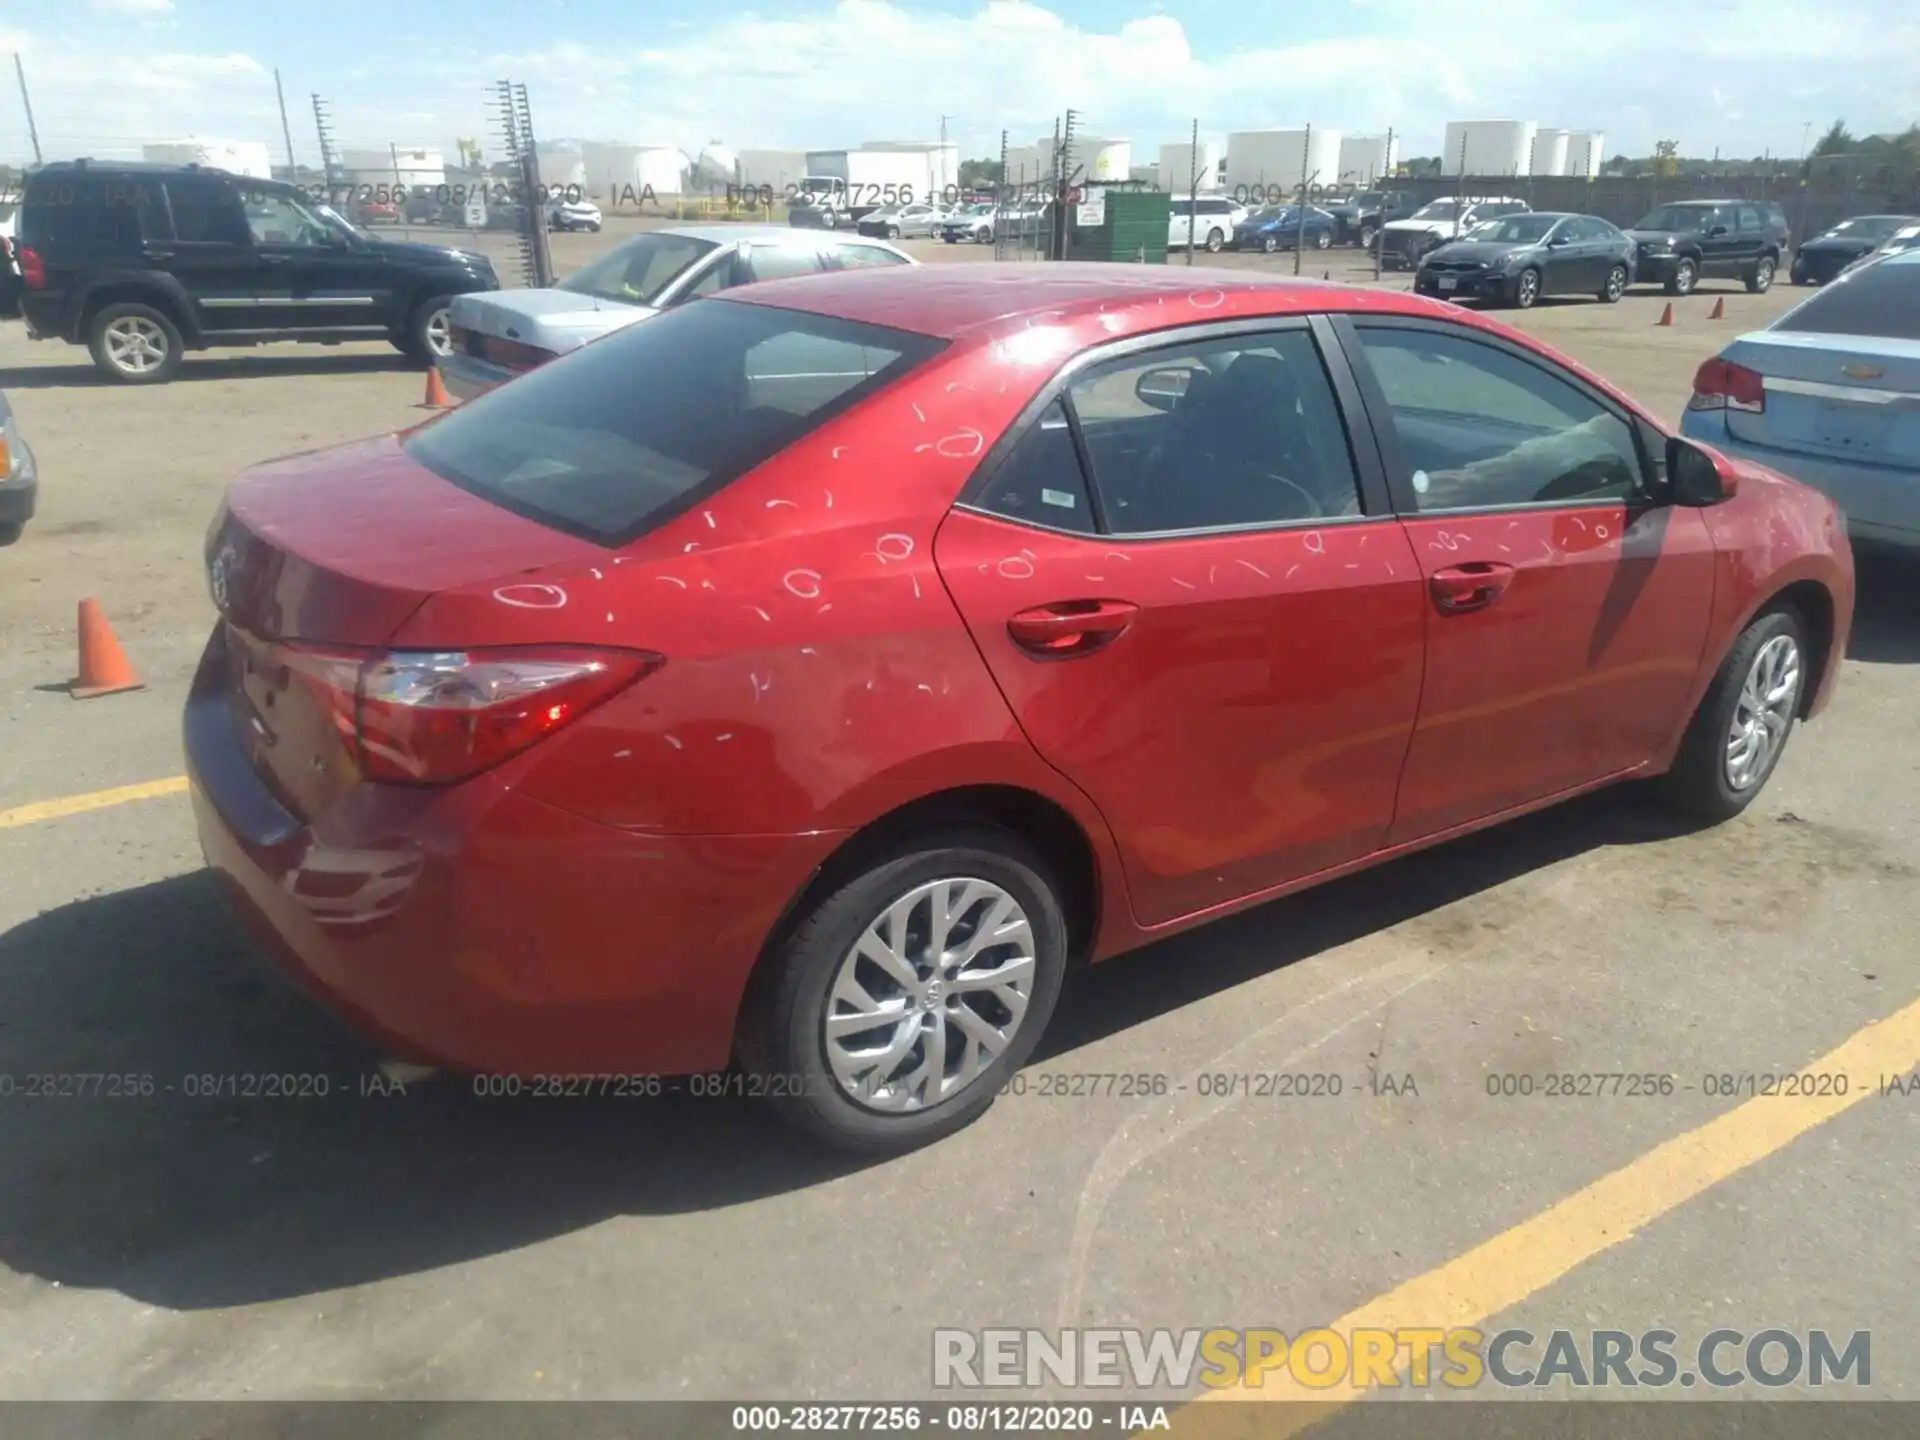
(1170, 569)
(1567, 608)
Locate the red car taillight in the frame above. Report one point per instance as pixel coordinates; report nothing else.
(33, 270)
(423, 717)
(1722, 385)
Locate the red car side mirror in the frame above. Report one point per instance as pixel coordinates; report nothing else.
(1698, 476)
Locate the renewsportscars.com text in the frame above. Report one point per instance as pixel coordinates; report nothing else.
(1460, 1358)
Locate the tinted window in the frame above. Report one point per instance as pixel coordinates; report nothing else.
(1240, 431)
(1041, 481)
(722, 274)
(1869, 227)
(1216, 207)
(1878, 299)
(1747, 220)
(620, 433)
(856, 257)
(208, 212)
(1682, 218)
(1517, 229)
(783, 262)
(638, 272)
(112, 213)
(275, 219)
(1478, 426)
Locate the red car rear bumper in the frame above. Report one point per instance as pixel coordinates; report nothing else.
(476, 928)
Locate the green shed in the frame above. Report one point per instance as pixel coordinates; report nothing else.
(1127, 225)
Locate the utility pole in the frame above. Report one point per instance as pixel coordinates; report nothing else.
(326, 143)
(286, 131)
(1193, 190)
(32, 129)
(1306, 189)
(1380, 230)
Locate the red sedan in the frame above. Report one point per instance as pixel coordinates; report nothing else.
(805, 678)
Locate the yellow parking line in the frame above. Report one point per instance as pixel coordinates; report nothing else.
(93, 800)
(1472, 1288)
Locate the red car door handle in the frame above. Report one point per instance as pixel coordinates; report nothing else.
(1070, 627)
(1472, 586)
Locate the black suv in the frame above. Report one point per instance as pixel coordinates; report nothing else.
(1692, 240)
(1361, 216)
(142, 263)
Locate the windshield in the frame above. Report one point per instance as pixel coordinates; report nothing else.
(617, 436)
(638, 272)
(1676, 217)
(1870, 227)
(1438, 210)
(1369, 197)
(1905, 240)
(1516, 229)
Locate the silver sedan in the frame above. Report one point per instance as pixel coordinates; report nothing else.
(499, 334)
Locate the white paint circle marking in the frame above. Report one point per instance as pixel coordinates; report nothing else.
(803, 583)
(531, 597)
(1016, 567)
(901, 546)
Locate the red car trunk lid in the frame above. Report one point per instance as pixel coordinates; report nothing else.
(338, 549)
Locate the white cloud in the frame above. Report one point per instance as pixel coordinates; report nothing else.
(1746, 76)
(132, 7)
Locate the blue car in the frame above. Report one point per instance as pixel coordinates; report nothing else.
(1829, 394)
(1278, 227)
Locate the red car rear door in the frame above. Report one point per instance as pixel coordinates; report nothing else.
(1567, 606)
(1189, 585)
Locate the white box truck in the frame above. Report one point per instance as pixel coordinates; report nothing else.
(841, 186)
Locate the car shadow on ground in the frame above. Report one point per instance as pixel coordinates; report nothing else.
(204, 366)
(191, 1200)
(1886, 613)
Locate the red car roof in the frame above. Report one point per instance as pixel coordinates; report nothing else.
(952, 300)
(1089, 301)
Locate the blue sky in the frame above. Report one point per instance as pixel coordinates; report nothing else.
(1744, 75)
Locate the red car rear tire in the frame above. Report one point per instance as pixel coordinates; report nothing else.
(785, 1035)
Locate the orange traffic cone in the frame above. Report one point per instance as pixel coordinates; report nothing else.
(1719, 309)
(1666, 315)
(437, 398)
(103, 664)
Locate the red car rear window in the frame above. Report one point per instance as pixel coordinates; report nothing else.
(612, 439)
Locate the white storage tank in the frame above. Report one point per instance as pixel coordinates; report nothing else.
(624, 174)
(1273, 162)
(1107, 161)
(775, 169)
(1586, 153)
(1490, 147)
(239, 157)
(1178, 168)
(1549, 153)
(1367, 159)
(562, 166)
